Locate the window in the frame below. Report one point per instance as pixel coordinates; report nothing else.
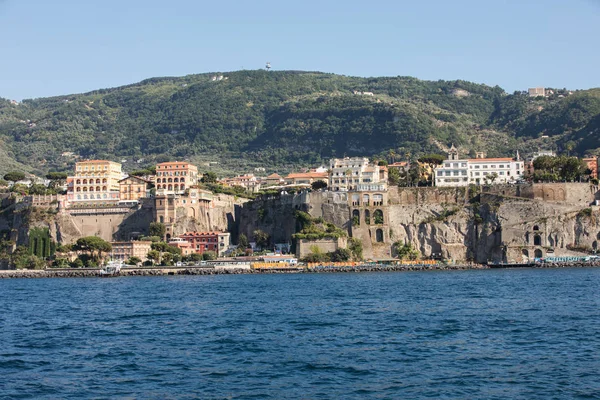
(477, 167)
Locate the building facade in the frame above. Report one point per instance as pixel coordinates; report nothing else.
(477, 171)
(306, 178)
(592, 165)
(125, 250)
(169, 206)
(95, 181)
(133, 188)
(176, 176)
(356, 174)
(202, 241)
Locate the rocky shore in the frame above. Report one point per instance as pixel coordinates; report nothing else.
(166, 271)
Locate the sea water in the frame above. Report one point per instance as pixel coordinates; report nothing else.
(519, 334)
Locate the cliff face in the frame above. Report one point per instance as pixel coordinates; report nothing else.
(506, 224)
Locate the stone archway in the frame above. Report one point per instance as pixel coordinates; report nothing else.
(537, 240)
(378, 217)
(367, 217)
(538, 253)
(355, 218)
(525, 253)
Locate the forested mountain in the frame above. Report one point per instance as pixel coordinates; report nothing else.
(287, 119)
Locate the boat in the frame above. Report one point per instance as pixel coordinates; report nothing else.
(112, 268)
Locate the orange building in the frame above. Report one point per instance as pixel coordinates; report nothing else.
(176, 176)
(132, 188)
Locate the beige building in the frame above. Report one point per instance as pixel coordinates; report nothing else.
(538, 91)
(168, 207)
(306, 178)
(95, 181)
(176, 176)
(125, 250)
(133, 188)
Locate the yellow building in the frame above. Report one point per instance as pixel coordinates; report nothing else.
(125, 250)
(95, 180)
(133, 188)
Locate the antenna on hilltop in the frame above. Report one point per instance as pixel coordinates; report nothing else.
(268, 66)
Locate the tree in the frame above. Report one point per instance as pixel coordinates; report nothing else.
(317, 185)
(209, 255)
(432, 159)
(93, 245)
(154, 256)
(56, 178)
(133, 261)
(492, 177)
(209, 177)
(242, 242)
(194, 257)
(356, 247)
(157, 229)
(405, 250)
(14, 176)
(261, 238)
(340, 255)
(393, 176)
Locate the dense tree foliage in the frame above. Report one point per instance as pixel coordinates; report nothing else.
(284, 120)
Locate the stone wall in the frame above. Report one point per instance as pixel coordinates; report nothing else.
(304, 246)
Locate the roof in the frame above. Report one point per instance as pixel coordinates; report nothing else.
(134, 177)
(200, 234)
(308, 175)
(274, 176)
(399, 164)
(97, 162)
(507, 159)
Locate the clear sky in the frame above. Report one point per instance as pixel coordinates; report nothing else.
(54, 47)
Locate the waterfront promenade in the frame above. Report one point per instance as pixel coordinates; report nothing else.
(201, 270)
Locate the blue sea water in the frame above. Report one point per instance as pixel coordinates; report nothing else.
(494, 334)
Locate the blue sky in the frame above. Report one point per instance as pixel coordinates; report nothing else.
(70, 46)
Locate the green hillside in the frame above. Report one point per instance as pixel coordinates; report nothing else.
(286, 119)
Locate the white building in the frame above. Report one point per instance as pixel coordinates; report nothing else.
(453, 171)
(355, 174)
(477, 171)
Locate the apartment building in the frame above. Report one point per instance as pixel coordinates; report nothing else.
(175, 176)
(356, 174)
(125, 250)
(133, 188)
(95, 181)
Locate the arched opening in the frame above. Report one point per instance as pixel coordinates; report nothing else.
(182, 186)
(378, 217)
(378, 199)
(97, 188)
(85, 189)
(98, 181)
(176, 180)
(367, 216)
(85, 181)
(538, 253)
(170, 180)
(536, 228)
(168, 237)
(355, 218)
(356, 199)
(91, 189)
(525, 253)
(379, 235)
(78, 189)
(78, 181)
(104, 188)
(104, 180)
(537, 240)
(170, 187)
(595, 245)
(366, 200)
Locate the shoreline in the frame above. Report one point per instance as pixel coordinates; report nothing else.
(178, 271)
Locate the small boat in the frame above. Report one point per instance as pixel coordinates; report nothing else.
(113, 268)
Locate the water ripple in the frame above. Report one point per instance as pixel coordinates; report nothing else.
(522, 334)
